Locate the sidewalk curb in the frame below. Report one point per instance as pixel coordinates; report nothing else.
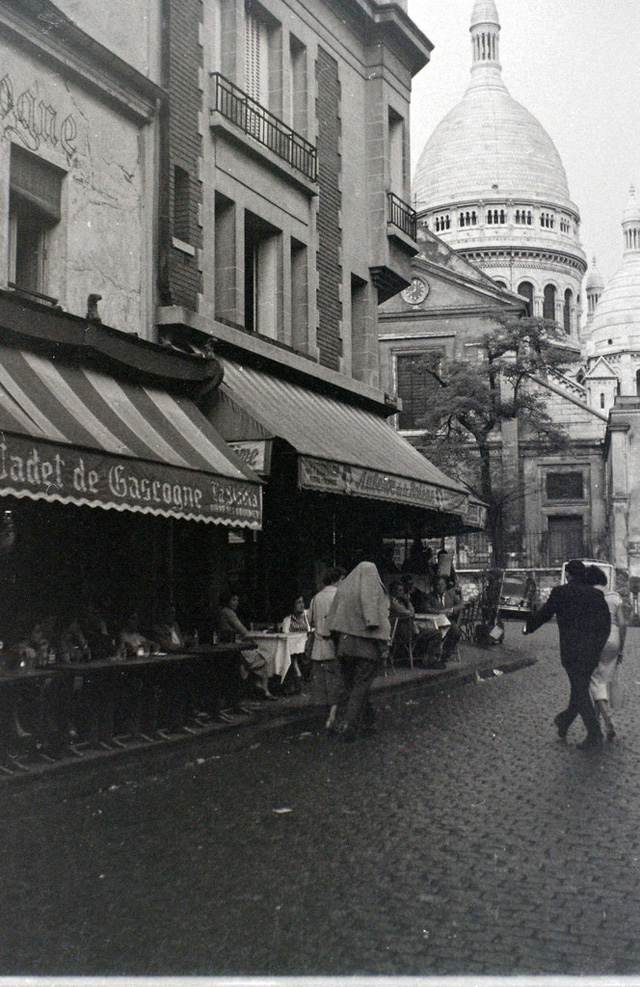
(102, 770)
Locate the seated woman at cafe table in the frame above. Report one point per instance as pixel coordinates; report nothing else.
(253, 665)
(297, 622)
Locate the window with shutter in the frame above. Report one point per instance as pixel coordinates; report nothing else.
(34, 209)
(414, 386)
(257, 59)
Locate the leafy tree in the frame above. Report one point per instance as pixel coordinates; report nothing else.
(468, 403)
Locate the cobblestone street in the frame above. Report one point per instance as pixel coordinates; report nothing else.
(464, 838)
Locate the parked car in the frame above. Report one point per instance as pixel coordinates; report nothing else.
(517, 596)
(606, 567)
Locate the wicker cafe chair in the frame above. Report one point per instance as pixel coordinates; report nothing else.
(469, 617)
(401, 647)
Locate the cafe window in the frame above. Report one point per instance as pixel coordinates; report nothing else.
(565, 486)
(414, 386)
(35, 193)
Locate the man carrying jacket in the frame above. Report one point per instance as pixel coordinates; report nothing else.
(584, 623)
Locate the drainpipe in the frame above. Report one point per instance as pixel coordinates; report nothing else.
(164, 192)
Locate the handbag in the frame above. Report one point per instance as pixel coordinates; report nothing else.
(308, 647)
(616, 688)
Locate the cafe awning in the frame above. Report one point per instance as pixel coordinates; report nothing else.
(342, 448)
(76, 435)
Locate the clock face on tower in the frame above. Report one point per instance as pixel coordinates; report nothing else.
(416, 292)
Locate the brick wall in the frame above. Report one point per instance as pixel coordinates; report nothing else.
(329, 204)
(185, 142)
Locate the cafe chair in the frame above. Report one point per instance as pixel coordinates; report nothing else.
(468, 619)
(401, 644)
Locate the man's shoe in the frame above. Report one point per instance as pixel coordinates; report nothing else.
(560, 724)
(611, 734)
(590, 744)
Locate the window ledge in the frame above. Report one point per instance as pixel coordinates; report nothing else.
(402, 238)
(184, 247)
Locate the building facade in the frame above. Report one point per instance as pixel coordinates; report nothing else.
(107, 462)
(284, 223)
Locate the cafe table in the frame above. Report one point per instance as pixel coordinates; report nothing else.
(430, 620)
(278, 647)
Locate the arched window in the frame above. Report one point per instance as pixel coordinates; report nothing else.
(473, 218)
(637, 383)
(566, 314)
(549, 303)
(602, 400)
(489, 217)
(526, 290)
(502, 215)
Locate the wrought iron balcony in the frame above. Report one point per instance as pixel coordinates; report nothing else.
(253, 119)
(402, 215)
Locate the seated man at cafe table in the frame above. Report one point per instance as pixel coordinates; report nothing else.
(425, 641)
(132, 642)
(253, 665)
(446, 601)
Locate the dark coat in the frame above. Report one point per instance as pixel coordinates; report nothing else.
(584, 622)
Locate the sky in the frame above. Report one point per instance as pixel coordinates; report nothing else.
(574, 64)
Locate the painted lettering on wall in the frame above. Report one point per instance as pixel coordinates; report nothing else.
(32, 122)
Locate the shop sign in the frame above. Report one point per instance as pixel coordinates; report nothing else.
(342, 478)
(476, 514)
(256, 454)
(42, 470)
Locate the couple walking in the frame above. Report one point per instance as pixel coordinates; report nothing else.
(351, 624)
(590, 646)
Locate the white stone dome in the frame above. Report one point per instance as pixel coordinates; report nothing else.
(617, 314)
(595, 281)
(489, 145)
(616, 320)
(505, 150)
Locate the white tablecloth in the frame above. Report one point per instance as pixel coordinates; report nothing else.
(278, 648)
(432, 620)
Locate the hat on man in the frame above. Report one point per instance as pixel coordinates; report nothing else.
(576, 569)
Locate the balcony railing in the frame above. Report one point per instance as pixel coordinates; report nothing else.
(402, 215)
(252, 118)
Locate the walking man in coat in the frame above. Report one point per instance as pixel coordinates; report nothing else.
(583, 625)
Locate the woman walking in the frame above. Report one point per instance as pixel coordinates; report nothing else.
(611, 653)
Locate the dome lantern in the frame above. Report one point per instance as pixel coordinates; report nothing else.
(631, 223)
(485, 44)
(594, 287)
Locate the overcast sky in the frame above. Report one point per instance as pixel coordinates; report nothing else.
(574, 64)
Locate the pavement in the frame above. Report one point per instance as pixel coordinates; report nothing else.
(133, 756)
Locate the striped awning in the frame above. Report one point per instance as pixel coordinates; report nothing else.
(341, 448)
(77, 435)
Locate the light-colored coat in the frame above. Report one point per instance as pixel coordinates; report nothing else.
(361, 605)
